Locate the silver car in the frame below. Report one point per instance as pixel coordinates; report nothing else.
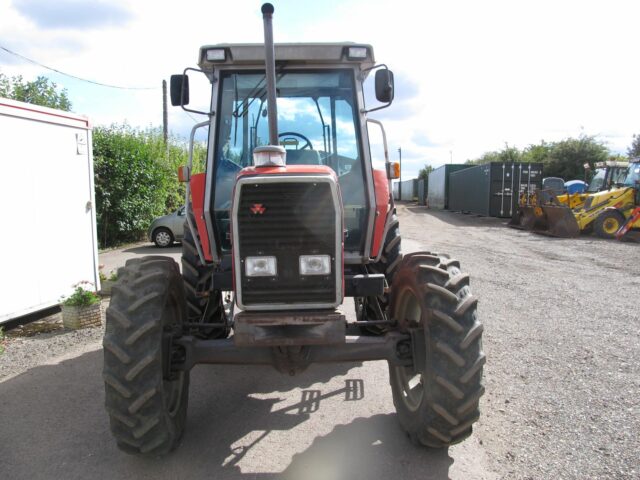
(167, 229)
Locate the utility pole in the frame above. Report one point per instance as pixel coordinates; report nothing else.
(165, 116)
(400, 179)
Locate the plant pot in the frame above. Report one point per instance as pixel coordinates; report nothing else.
(75, 317)
(105, 287)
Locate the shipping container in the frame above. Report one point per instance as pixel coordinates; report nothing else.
(493, 189)
(49, 243)
(438, 188)
(409, 190)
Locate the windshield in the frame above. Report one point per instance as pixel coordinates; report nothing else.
(317, 124)
(633, 176)
(597, 181)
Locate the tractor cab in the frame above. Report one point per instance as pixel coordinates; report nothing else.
(321, 122)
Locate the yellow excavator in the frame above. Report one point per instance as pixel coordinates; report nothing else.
(605, 212)
(530, 214)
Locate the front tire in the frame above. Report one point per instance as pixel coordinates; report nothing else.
(437, 399)
(608, 223)
(147, 406)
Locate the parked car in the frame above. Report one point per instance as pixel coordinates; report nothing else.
(167, 229)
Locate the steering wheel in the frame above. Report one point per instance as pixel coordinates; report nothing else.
(294, 134)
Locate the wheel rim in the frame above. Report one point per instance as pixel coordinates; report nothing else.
(163, 238)
(611, 225)
(409, 380)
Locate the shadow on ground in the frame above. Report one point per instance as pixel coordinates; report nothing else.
(54, 426)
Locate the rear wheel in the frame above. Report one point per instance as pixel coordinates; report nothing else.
(390, 259)
(146, 402)
(437, 398)
(608, 223)
(203, 304)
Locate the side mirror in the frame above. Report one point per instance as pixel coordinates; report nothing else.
(384, 85)
(179, 90)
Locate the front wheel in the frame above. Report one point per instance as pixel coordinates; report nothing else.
(145, 400)
(437, 399)
(608, 223)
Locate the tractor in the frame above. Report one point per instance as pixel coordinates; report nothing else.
(290, 219)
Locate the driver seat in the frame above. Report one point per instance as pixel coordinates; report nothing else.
(303, 157)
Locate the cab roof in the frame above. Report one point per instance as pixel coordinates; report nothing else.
(291, 53)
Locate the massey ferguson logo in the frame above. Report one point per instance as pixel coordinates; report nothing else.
(257, 209)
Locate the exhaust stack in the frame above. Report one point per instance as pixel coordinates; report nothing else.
(270, 65)
(272, 154)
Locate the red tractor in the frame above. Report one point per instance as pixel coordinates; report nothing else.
(283, 225)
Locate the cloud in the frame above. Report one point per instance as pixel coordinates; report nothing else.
(72, 14)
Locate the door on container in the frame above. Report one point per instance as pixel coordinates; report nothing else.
(503, 183)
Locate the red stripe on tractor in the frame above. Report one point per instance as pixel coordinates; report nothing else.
(196, 185)
(381, 184)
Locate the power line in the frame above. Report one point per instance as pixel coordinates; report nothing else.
(73, 76)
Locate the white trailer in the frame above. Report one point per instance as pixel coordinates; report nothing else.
(48, 238)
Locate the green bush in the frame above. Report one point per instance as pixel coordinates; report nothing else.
(136, 180)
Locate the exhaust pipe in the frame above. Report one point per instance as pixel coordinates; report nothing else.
(272, 154)
(270, 65)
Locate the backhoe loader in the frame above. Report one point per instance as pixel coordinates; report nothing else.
(531, 212)
(604, 212)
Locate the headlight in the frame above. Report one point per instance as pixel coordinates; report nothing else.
(260, 266)
(216, 55)
(315, 265)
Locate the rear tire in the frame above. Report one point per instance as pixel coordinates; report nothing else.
(147, 408)
(608, 223)
(437, 400)
(197, 280)
(388, 265)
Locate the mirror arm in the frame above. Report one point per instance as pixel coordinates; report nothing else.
(377, 108)
(362, 78)
(211, 113)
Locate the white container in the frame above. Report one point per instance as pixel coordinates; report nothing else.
(48, 238)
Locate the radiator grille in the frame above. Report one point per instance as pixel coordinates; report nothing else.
(287, 220)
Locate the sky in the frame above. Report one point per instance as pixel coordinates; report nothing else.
(471, 76)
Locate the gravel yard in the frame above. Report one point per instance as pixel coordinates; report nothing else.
(561, 337)
(561, 324)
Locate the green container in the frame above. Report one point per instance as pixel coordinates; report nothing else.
(438, 189)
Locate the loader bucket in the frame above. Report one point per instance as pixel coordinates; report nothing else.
(528, 217)
(560, 222)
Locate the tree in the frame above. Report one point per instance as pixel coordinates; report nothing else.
(40, 91)
(424, 172)
(567, 157)
(508, 154)
(634, 149)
